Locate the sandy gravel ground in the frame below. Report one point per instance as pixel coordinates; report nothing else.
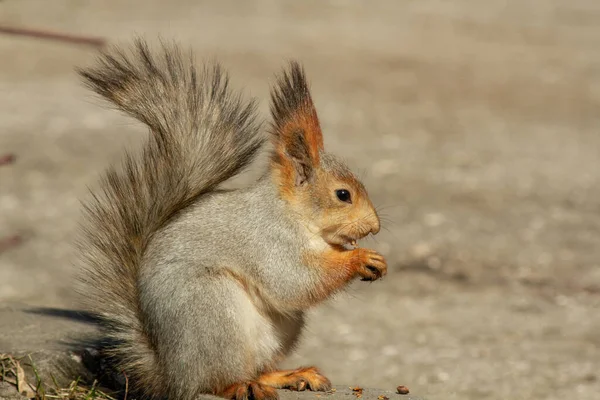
(475, 125)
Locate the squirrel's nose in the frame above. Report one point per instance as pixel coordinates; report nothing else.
(375, 226)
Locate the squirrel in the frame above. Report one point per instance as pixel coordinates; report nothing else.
(200, 289)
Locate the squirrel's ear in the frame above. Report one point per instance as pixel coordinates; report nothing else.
(296, 131)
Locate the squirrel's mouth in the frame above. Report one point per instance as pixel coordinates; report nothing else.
(346, 242)
(350, 245)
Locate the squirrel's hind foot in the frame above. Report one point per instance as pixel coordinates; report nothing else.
(308, 378)
(252, 390)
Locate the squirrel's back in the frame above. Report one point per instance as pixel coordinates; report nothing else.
(200, 135)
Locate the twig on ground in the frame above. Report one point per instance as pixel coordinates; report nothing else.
(10, 242)
(7, 159)
(59, 36)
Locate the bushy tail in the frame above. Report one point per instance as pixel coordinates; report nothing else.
(201, 135)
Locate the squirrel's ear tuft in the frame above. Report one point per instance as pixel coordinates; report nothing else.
(296, 131)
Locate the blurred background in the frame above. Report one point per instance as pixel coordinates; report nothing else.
(474, 124)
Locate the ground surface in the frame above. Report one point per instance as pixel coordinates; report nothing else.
(476, 128)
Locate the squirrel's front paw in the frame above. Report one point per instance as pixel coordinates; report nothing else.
(373, 265)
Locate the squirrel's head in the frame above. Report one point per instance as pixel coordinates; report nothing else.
(320, 189)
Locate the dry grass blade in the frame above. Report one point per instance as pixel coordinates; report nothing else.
(75, 391)
(12, 372)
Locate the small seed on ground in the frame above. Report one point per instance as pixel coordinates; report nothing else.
(402, 389)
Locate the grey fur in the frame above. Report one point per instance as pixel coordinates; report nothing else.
(187, 291)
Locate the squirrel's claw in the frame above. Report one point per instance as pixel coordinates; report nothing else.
(374, 266)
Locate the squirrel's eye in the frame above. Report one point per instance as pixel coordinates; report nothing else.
(343, 195)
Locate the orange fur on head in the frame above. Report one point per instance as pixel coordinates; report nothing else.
(309, 178)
